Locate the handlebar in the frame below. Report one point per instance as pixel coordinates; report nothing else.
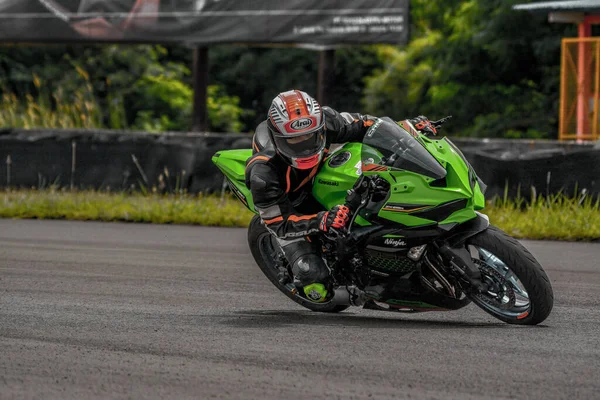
(438, 124)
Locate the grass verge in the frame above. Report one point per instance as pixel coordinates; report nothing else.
(556, 217)
(102, 206)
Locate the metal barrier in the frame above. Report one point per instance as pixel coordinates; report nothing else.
(580, 89)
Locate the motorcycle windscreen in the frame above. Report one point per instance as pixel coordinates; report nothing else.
(387, 144)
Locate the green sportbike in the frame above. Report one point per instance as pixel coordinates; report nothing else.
(416, 242)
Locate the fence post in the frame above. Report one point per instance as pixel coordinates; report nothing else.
(73, 162)
(200, 73)
(8, 164)
(326, 77)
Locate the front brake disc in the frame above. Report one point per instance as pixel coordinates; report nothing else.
(504, 288)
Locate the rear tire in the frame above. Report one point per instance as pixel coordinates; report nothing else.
(261, 246)
(526, 268)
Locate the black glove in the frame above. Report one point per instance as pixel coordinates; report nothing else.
(336, 218)
(423, 124)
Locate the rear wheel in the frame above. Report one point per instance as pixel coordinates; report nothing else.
(264, 249)
(520, 291)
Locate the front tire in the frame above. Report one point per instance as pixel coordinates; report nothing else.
(523, 292)
(264, 247)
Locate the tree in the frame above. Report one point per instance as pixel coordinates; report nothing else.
(134, 87)
(473, 59)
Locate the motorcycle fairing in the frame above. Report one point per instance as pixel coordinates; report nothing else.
(414, 200)
(233, 165)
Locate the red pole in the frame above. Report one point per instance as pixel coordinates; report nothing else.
(583, 84)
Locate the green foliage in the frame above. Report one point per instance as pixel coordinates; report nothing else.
(163, 101)
(494, 69)
(473, 59)
(77, 109)
(257, 75)
(224, 111)
(123, 87)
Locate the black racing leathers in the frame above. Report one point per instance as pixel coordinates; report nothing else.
(279, 190)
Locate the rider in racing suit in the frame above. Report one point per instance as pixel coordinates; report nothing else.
(288, 149)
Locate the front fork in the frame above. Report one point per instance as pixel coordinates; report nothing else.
(459, 263)
(457, 257)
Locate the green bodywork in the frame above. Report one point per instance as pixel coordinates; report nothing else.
(408, 188)
(232, 164)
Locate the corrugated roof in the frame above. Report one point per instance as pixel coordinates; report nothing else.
(574, 6)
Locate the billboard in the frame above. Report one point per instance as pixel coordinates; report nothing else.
(202, 22)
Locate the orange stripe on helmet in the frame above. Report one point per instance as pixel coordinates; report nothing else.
(295, 105)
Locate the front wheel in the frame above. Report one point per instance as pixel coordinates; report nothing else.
(264, 249)
(519, 289)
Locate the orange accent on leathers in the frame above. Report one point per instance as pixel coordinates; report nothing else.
(272, 221)
(308, 178)
(287, 179)
(257, 158)
(296, 218)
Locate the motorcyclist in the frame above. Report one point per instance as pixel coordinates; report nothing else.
(288, 149)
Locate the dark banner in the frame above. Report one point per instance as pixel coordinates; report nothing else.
(206, 21)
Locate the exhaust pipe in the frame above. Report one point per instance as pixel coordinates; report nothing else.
(348, 296)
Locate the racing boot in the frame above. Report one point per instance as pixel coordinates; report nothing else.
(312, 277)
(316, 292)
(311, 274)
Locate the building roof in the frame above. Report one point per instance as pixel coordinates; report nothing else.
(572, 6)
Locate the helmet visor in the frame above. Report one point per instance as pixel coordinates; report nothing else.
(301, 146)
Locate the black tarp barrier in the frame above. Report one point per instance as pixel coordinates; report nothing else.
(525, 167)
(203, 22)
(115, 160)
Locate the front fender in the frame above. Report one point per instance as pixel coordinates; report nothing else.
(459, 235)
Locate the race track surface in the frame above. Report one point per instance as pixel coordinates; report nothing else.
(95, 310)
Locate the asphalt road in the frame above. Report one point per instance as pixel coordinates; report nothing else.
(94, 310)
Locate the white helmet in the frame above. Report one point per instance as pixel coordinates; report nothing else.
(297, 124)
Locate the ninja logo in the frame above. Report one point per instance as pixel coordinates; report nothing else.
(301, 124)
(395, 242)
